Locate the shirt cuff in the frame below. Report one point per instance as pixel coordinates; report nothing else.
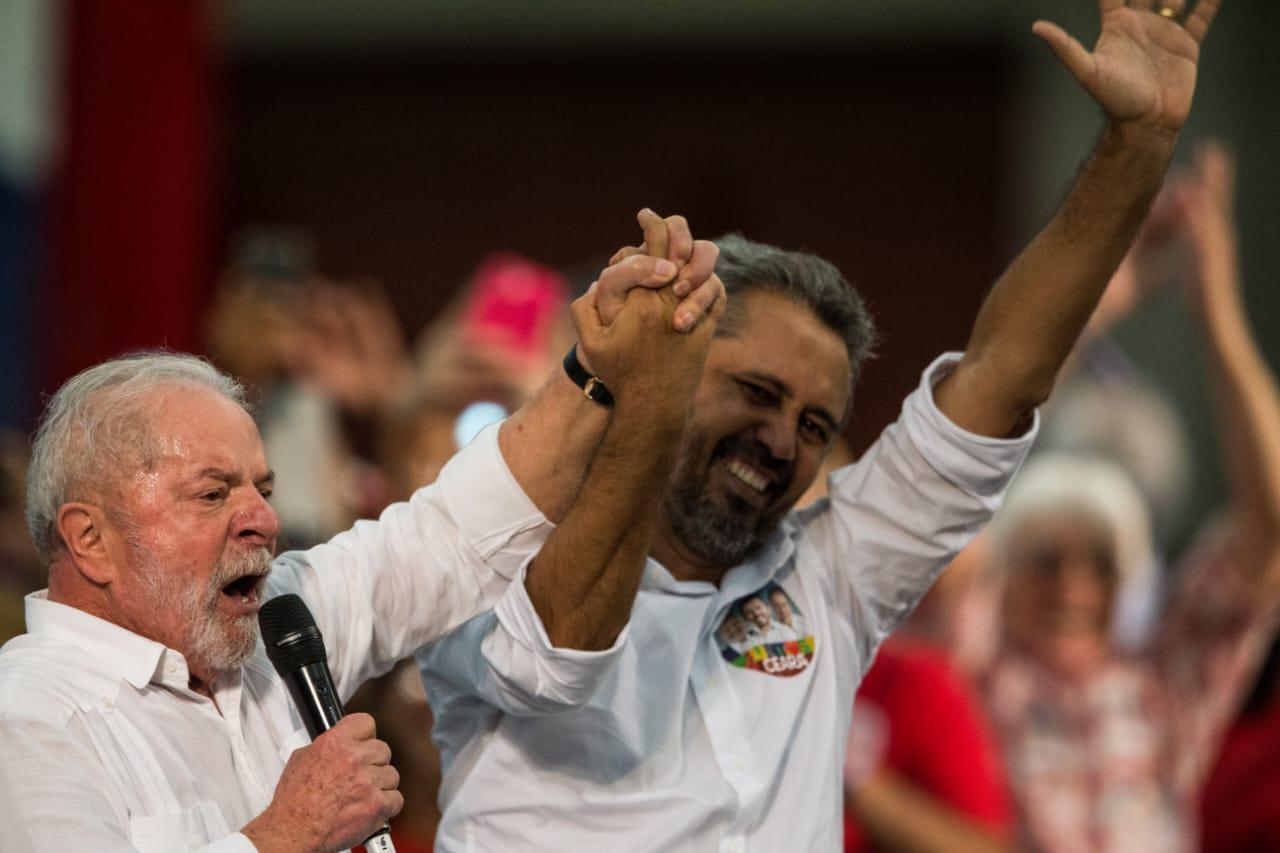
(575, 673)
(486, 502)
(979, 463)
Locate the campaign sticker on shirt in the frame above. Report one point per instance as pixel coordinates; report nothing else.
(765, 631)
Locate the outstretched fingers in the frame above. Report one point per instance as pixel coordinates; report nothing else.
(1069, 51)
(1197, 23)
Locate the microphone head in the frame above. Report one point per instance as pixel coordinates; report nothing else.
(290, 634)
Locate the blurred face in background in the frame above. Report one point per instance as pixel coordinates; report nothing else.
(1060, 590)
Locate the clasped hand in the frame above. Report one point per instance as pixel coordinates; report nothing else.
(645, 325)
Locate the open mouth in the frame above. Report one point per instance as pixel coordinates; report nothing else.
(752, 482)
(244, 588)
(751, 477)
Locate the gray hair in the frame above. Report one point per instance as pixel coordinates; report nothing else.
(97, 423)
(804, 278)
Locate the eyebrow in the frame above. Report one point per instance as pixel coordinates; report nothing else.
(234, 477)
(785, 390)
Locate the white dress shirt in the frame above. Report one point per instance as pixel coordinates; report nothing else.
(103, 746)
(680, 741)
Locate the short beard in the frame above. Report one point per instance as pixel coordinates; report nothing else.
(212, 642)
(716, 534)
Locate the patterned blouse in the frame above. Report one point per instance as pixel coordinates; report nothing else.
(1113, 762)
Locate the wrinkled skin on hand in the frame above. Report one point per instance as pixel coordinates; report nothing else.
(333, 794)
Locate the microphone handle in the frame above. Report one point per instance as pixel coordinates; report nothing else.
(315, 697)
(317, 701)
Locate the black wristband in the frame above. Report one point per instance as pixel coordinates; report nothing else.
(592, 388)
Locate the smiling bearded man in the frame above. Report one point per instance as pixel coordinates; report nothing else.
(693, 743)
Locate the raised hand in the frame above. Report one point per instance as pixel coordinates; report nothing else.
(349, 343)
(638, 346)
(332, 794)
(1143, 67)
(1204, 199)
(692, 282)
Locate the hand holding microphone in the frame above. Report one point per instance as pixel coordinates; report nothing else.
(341, 790)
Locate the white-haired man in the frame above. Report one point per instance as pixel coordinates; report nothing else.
(140, 713)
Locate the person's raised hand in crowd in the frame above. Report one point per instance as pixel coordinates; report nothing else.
(333, 793)
(348, 342)
(452, 371)
(1248, 399)
(1142, 70)
(1202, 199)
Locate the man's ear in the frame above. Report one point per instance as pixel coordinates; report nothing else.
(83, 529)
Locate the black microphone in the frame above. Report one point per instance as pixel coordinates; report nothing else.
(296, 650)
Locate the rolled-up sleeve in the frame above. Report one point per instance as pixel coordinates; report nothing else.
(506, 659)
(531, 674)
(385, 588)
(899, 514)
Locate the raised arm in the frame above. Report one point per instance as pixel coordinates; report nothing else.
(560, 416)
(1142, 73)
(1248, 403)
(584, 579)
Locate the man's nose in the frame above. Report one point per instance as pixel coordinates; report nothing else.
(257, 521)
(778, 434)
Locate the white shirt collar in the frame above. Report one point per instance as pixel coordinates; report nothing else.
(113, 650)
(745, 578)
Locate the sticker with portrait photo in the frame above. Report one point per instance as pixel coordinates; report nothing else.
(765, 631)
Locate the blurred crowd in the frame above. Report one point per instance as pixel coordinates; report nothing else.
(1066, 686)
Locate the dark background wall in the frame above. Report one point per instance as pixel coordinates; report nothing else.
(411, 171)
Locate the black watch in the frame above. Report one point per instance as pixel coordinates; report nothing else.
(592, 387)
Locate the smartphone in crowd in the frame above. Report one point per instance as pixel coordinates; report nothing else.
(514, 304)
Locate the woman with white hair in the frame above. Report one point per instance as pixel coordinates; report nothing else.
(1105, 748)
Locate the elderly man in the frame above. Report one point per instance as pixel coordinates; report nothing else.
(687, 747)
(140, 711)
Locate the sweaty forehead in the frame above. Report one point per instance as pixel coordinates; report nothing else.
(785, 340)
(195, 428)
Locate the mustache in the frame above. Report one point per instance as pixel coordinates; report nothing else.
(253, 563)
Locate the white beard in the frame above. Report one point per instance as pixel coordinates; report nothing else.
(211, 642)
